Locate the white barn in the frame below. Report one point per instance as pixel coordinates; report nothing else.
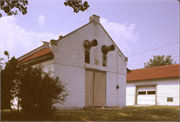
(91, 64)
(153, 86)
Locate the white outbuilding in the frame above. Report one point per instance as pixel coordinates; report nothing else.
(153, 86)
(91, 64)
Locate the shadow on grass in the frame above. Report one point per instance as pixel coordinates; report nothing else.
(19, 116)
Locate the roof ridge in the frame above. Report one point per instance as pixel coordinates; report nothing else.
(75, 30)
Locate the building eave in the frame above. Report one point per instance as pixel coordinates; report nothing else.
(37, 60)
(45, 45)
(152, 79)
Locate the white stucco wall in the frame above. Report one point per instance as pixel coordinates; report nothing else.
(47, 66)
(69, 66)
(166, 87)
(130, 93)
(74, 77)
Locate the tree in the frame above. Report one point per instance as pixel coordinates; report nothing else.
(8, 74)
(159, 61)
(39, 91)
(36, 90)
(1, 59)
(77, 5)
(8, 6)
(1, 64)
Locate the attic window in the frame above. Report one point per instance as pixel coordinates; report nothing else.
(169, 99)
(87, 56)
(104, 60)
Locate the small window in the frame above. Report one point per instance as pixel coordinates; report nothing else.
(87, 57)
(104, 61)
(141, 92)
(169, 99)
(151, 92)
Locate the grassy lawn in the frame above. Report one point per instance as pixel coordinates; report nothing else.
(130, 113)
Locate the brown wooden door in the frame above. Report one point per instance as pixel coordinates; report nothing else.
(99, 89)
(89, 88)
(95, 88)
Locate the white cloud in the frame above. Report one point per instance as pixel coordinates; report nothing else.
(41, 19)
(122, 34)
(17, 41)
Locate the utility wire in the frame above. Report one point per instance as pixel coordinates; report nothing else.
(153, 49)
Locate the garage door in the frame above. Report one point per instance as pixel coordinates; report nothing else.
(146, 95)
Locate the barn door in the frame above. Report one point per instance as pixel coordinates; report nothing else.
(99, 88)
(95, 88)
(89, 88)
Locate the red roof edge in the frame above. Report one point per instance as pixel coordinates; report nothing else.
(166, 71)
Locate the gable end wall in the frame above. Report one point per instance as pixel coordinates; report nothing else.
(69, 66)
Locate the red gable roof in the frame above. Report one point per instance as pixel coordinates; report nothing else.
(41, 52)
(154, 72)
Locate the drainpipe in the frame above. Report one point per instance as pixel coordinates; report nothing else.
(117, 79)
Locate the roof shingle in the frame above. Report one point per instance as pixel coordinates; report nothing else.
(42, 52)
(154, 72)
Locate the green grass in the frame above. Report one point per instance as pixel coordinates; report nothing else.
(130, 113)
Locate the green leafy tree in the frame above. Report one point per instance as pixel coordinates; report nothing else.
(36, 90)
(77, 5)
(159, 61)
(1, 64)
(39, 91)
(6, 53)
(1, 59)
(8, 74)
(10, 6)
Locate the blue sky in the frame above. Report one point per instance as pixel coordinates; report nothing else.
(135, 26)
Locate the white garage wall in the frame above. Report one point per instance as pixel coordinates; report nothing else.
(167, 87)
(130, 94)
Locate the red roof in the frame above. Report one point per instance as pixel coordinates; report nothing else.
(166, 71)
(41, 52)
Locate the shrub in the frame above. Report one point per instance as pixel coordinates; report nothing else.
(39, 91)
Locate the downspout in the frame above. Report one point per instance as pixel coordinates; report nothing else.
(117, 79)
